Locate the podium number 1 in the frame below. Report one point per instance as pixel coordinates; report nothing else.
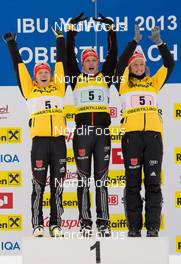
(98, 251)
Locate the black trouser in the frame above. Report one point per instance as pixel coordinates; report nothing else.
(48, 151)
(96, 143)
(143, 149)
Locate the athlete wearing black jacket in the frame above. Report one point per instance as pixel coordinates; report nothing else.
(91, 95)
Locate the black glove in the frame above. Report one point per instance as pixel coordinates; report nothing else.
(77, 19)
(155, 36)
(137, 34)
(9, 37)
(57, 33)
(104, 19)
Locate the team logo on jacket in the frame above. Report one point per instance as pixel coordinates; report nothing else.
(49, 89)
(134, 161)
(82, 152)
(39, 163)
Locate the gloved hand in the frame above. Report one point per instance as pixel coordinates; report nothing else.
(57, 33)
(104, 19)
(155, 36)
(137, 34)
(77, 19)
(9, 36)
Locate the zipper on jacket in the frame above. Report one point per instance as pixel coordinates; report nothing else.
(92, 118)
(51, 125)
(144, 121)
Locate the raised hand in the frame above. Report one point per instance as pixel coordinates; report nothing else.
(9, 36)
(77, 19)
(104, 19)
(57, 33)
(155, 36)
(137, 34)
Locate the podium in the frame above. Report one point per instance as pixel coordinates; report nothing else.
(95, 250)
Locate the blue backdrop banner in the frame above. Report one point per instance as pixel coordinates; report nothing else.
(32, 20)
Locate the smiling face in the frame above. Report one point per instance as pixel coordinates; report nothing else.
(137, 67)
(90, 65)
(43, 77)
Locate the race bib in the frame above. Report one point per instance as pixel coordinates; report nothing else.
(92, 96)
(44, 103)
(140, 100)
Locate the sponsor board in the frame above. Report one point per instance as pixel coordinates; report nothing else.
(177, 111)
(70, 157)
(117, 156)
(11, 222)
(9, 246)
(116, 178)
(178, 244)
(4, 111)
(70, 175)
(69, 200)
(69, 113)
(10, 135)
(178, 199)
(69, 135)
(118, 222)
(177, 157)
(10, 179)
(6, 200)
(116, 133)
(65, 223)
(113, 199)
(9, 158)
(113, 112)
(69, 180)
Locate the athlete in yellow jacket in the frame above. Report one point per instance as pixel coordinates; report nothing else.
(44, 96)
(142, 142)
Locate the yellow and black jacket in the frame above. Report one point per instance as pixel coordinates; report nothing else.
(91, 94)
(139, 93)
(45, 104)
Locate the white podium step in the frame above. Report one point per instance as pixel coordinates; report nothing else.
(92, 251)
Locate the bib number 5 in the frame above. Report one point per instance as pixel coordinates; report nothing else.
(139, 100)
(92, 96)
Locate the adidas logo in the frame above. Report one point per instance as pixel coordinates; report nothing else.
(153, 174)
(62, 169)
(106, 157)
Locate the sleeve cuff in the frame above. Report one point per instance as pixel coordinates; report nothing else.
(111, 27)
(71, 27)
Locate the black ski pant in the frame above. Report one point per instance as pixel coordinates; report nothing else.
(94, 141)
(48, 151)
(143, 149)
